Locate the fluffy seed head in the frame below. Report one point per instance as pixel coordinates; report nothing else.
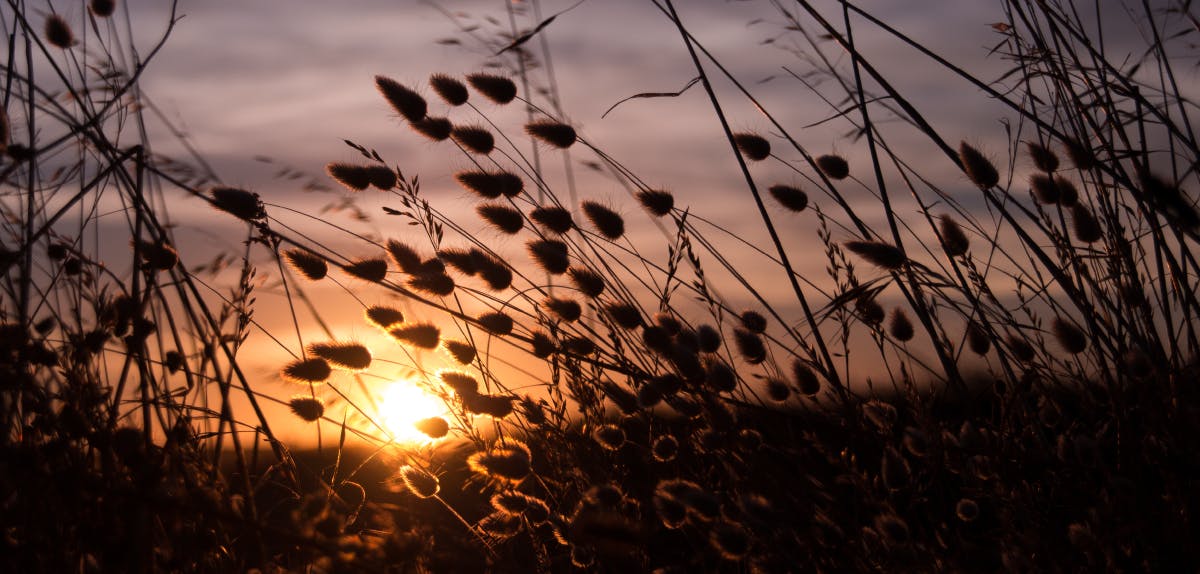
(435, 128)
(103, 8)
(806, 379)
(792, 198)
(312, 370)
(978, 339)
(405, 257)
(307, 408)
(449, 89)
(438, 284)
(778, 390)
(878, 253)
(384, 317)
(1020, 348)
(239, 202)
(462, 351)
(709, 338)
(1068, 193)
(462, 260)
(731, 540)
(665, 448)
(474, 138)
(720, 376)
(753, 321)
(1042, 157)
(494, 272)
(420, 335)
(1080, 155)
(494, 406)
(553, 218)
(371, 269)
(491, 184)
(433, 427)
(869, 310)
(503, 217)
(498, 89)
(1087, 228)
(462, 383)
(750, 345)
(305, 263)
(977, 167)
(354, 177)
(967, 510)
(656, 201)
(1070, 337)
(557, 134)
(343, 354)
(419, 482)
(157, 255)
(58, 32)
(508, 460)
(550, 254)
(587, 281)
(496, 323)
(900, 327)
(610, 436)
(624, 315)
(954, 239)
(833, 166)
(568, 310)
(542, 346)
(1045, 188)
(608, 222)
(753, 146)
(406, 102)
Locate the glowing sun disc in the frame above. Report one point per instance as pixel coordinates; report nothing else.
(402, 404)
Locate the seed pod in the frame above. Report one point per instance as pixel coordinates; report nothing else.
(977, 167)
(508, 460)
(1045, 189)
(624, 315)
(753, 146)
(566, 309)
(103, 8)
(491, 184)
(450, 89)
(406, 102)
(657, 202)
(833, 166)
(751, 346)
(542, 345)
(778, 390)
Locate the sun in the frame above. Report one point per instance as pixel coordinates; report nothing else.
(402, 404)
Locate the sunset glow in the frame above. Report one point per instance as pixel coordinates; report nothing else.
(404, 403)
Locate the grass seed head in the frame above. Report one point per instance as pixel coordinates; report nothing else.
(474, 138)
(311, 370)
(1081, 155)
(1070, 337)
(498, 89)
(792, 198)
(833, 166)
(103, 8)
(462, 351)
(665, 448)
(609, 223)
(157, 255)
(435, 128)
(977, 167)
(1020, 348)
(462, 383)
(1043, 158)
(554, 133)
(542, 346)
(878, 253)
(720, 376)
(1068, 194)
(307, 408)
(967, 510)
(384, 317)
(354, 177)
(753, 321)
(731, 540)
(550, 255)
(751, 347)
(869, 310)
(239, 202)
(58, 32)
(900, 327)
(433, 427)
(656, 201)
(1087, 228)
(568, 310)
(437, 284)
(305, 263)
(708, 338)
(1045, 188)
(371, 269)
(420, 335)
(343, 354)
(954, 239)
(624, 315)
(578, 345)
(449, 89)
(977, 339)
(496, 323)
(419, 482)
(491, 184)
(462, 260)
(610, 436)
(553, 218)
(806, 379)
(588, 282)
(508, 460)
(503, 217)
(495, 406)
(405, 101)
(753, 146)
(404, 256)
(778, 390)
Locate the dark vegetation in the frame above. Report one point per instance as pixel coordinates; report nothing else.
(1038, 410)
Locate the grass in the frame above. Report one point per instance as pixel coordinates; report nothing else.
(996, 374)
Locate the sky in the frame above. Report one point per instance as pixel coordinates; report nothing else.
(289, 81)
